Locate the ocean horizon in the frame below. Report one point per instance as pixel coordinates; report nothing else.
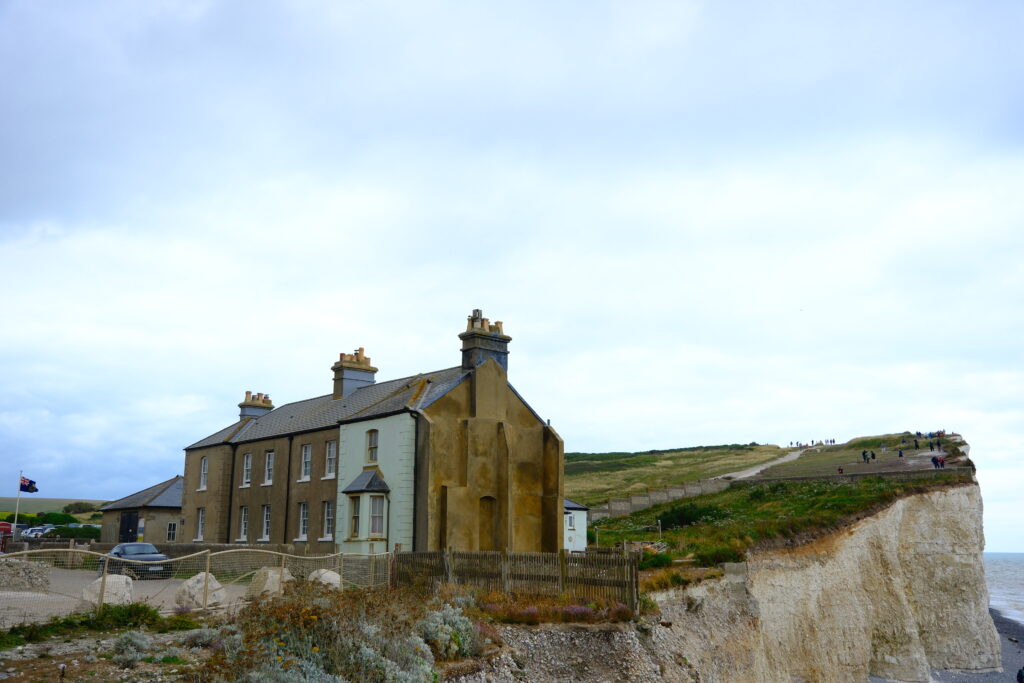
(1004, 576)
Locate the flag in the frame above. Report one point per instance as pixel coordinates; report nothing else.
(28, 486)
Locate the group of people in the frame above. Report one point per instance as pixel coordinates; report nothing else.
(819, 442)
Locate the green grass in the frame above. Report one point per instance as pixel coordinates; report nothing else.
(721, 527)
(107, 618)
(593, 478)
(33, 504)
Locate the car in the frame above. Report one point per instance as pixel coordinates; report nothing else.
(156, 563)
(34, 532)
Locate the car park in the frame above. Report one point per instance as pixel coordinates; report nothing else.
(146, 561)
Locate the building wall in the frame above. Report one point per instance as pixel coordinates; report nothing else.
(490, 471)
(575, 538)
(396, 463)
(215, 498)
(153, 525)
(226, 493)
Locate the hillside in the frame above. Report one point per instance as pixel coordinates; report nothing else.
(592, 478)
(30, 503)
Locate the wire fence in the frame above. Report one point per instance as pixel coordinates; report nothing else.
(39, 584)
(36, 585)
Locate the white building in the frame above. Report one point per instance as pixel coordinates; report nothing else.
(575, 532)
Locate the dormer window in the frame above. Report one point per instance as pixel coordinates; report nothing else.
(371, 445)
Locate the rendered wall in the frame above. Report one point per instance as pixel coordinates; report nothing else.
(396, 463)
(490, 471)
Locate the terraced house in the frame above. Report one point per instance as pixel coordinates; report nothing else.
(453, 458)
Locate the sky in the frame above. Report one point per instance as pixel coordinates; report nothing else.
(700, 222)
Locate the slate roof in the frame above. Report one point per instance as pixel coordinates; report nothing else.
(166, 494)
(570, 505)
(383, 398)
(368, 480)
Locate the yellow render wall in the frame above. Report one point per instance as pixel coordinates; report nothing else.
(494, 478)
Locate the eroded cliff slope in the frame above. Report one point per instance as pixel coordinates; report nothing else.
(891, 596)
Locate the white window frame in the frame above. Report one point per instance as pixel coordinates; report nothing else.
(372, 445)
(303, 522)
(572, 521)
(377, 516)
(246, 470)
(265, 509)
(328, 521)
(353, 516)
(243, 523)
(331, 460)
(200, 524)
(305, 461)
(172, 532)
(268, 468)
(204, 473)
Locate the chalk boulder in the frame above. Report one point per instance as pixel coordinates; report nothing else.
(326, 576)
(117, 591)
(268, 580)
(190, 594)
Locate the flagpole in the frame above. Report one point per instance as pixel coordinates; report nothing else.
(17, 505)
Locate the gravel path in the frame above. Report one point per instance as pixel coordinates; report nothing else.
(757, 469)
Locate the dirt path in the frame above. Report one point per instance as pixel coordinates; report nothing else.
(757, 469)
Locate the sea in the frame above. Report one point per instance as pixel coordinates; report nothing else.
(1004, 574)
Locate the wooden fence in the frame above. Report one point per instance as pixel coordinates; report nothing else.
(609, 576)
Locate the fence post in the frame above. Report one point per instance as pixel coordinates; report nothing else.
(103, 584)
(206, 581)
(448, 569)
(562, 570)
(372, 560)
(504, 570)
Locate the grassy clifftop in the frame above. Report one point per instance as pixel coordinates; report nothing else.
(592, 478)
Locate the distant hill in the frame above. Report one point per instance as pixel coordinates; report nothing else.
(30, 503)
(592, 478)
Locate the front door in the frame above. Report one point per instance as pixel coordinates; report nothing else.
(129, 527)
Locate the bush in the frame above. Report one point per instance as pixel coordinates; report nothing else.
(690, 513)
(655, 560)
(130, 648)
(79, 507)
(709, 557)
(73, 532)
(449, 634)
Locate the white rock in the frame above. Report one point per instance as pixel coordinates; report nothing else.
(268, 580)
(326, 576)
(118, 591)
(190, 594)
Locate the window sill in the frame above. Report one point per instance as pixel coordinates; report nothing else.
(326, 538)
(197, 540)
(244, 486)
(301, 480)
(300, 539)
(329, 476)
(265, 539)
(267, 483)
(241, 540)
(200, 489)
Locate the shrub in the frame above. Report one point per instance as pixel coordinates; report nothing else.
(78, 507)
(655, 560)
(711, 556)
(130, 648)
(73, 532)
(449, 634)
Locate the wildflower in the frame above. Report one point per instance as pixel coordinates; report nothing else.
(316, 649)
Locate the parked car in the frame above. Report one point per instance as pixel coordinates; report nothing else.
(156, 563)
(33, 532)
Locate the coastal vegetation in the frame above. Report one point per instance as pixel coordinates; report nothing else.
(592, 478)
(704, 531)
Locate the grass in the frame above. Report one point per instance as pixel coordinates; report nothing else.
(30, 503)
(722, 527)
(826, 460)
(593, 478)
(107, 618)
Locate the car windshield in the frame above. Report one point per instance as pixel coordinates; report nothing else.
(140, 549)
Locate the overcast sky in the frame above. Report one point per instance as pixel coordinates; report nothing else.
(701, 223)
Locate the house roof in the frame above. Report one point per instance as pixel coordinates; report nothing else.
(166, 494)
(375, 400)
(570, 505)
(368, 480)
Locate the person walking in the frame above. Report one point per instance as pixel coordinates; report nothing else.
(901, 452)
(916, 447)
(935, 462)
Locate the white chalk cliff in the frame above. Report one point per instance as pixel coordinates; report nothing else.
(891, 596)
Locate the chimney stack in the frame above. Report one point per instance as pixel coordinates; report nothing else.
(351, 372)
(482, 340)
(254, 405)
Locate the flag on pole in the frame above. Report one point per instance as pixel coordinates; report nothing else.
(28, 486)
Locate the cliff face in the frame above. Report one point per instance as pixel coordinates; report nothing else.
(891, 596)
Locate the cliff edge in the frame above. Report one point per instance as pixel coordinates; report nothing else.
(891, 596)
